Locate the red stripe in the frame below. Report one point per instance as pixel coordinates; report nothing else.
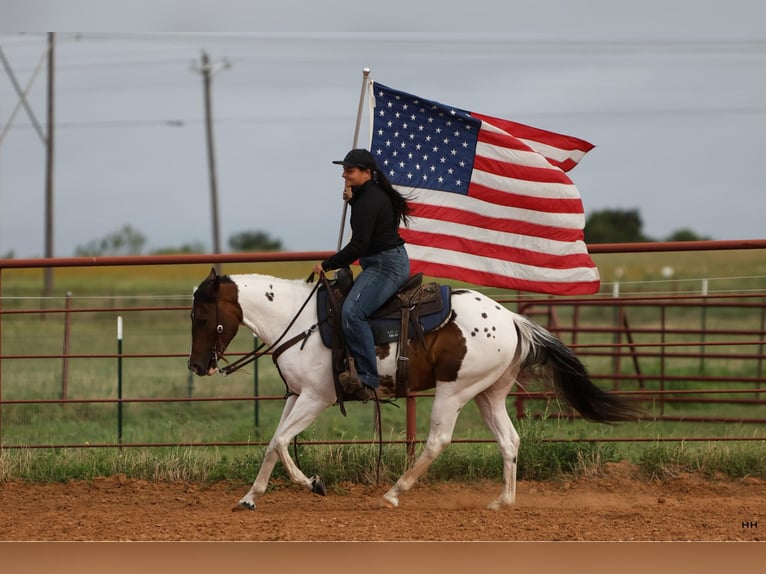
(492, 280)
(507, 199)
(503, 253)
(523, 172)
(526, 132)
(502, 139)
(516, 226)
(521, 131)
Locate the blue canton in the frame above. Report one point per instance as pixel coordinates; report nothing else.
(421, 143)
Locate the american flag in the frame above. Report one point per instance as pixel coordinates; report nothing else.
(492, 204)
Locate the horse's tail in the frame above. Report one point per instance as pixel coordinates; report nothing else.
(541, 351)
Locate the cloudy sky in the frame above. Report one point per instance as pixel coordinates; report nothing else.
(671, 92)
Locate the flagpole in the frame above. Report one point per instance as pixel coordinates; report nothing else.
(365, 77)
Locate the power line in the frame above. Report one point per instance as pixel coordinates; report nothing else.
(271, 118)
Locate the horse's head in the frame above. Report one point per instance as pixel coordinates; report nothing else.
(215, 318)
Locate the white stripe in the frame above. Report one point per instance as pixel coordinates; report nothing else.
(524, 187)
(470, 204)
(500, 238)
(555, 153)
(435, 255)
(543, 149)
(528, 158)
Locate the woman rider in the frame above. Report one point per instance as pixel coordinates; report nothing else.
(377, 211)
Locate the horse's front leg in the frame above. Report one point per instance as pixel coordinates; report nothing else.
(298, 414)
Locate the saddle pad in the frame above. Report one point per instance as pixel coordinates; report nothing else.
(384, 330)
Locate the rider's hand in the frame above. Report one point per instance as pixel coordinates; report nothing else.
(347, 193)
(318, 268)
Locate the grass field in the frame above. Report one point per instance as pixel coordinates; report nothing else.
(101, 295)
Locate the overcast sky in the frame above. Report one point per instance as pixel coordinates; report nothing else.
(672, 93)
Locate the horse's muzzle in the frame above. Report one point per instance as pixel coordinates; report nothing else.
(200, 371)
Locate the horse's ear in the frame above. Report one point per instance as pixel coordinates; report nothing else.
(214, 280)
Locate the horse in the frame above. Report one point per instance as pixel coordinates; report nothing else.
(479, 354)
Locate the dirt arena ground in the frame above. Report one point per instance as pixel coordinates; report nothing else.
(612, 507)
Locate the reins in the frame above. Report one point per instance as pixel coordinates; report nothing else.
(258, 353)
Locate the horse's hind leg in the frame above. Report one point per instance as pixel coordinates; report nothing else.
(491, 404)
(296, 416)
(444, 413)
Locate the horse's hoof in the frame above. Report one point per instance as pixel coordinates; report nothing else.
(317, 486)
(499, 504)
(389, 502)
(242, 505)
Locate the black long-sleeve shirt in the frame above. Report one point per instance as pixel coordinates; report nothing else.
(374, 226)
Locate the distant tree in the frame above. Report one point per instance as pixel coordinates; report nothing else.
(9, 255)
(254, 241)
(186, 248)
(615, 226)
(685, 234)
(125, 241)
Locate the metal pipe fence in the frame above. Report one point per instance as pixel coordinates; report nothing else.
(684, 358)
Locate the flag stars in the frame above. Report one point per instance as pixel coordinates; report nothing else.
(422, 142)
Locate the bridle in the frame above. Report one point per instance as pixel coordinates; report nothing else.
(219, 347)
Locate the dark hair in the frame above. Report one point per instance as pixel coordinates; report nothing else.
(402, 208)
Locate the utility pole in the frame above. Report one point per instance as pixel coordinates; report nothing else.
(207, 69)
(48, 273)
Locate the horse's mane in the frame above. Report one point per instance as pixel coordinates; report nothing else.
(268, 278)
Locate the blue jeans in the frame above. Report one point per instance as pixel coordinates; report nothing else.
(382, 275)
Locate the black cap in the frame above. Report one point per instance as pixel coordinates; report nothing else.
(360, 158)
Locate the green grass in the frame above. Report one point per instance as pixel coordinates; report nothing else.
(549, 448)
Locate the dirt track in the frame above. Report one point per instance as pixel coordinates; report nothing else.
(615, 506)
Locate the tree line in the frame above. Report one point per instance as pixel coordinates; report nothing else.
(603, 226)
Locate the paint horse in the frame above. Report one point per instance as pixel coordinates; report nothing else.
(479, 354)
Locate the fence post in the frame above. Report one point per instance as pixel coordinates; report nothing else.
(703, 326)
(65, 360)
(119, 380)
(1, 354)
(617, 337)
(760, 347)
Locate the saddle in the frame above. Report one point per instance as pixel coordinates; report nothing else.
(413, 311)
